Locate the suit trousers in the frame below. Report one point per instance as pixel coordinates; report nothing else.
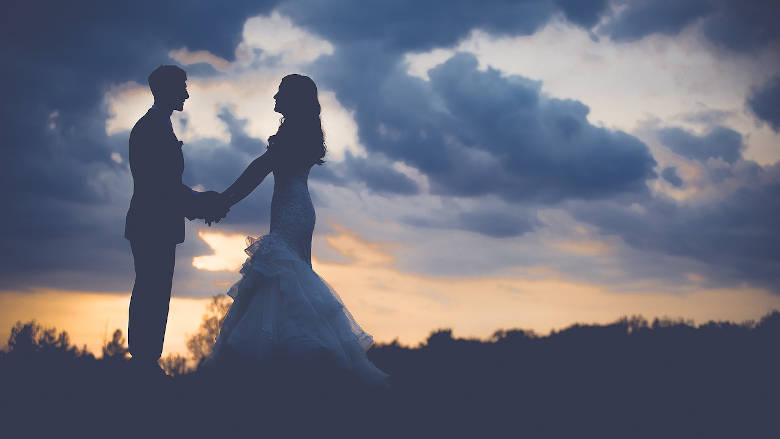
(151, 296)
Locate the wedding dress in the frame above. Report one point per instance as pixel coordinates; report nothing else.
(281, 305)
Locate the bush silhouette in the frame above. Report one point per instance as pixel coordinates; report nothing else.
(200, 344)
(116, 349)
(174, 365)
(629, 378)
(32, 339)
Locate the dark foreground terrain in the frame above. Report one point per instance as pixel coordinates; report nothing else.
(629, 379)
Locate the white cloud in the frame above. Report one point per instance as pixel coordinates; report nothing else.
(418, 64)
(341, 131)
(626, 83)
(272, 47)
(228, 254)
(276, 36)
(186, 57)
(126, 103)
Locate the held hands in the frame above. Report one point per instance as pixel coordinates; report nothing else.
(215, 207)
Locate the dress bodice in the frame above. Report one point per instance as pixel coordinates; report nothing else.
(292, 212)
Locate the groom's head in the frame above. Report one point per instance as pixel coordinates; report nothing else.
(169, 87)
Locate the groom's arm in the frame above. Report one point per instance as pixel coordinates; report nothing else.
(193, 202)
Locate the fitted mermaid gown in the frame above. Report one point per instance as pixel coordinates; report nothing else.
(280, 305)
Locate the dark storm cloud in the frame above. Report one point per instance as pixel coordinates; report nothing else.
(496, 223)
(64, 199)
(735, 236)
(743, 25)
(734, 25)
(61, 55)
(378, 176)
(546, 147)
(367, 74)
(670, 174)
(410, 25)
(239, 140)
(477, 132)
(585, 13)
(720, 142)
(764, 101)
(646, 17)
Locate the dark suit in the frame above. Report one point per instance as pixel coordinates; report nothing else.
(154, 225)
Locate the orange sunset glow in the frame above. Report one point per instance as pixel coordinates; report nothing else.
(394, 305)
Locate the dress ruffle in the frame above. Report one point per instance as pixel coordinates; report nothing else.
(281, 304)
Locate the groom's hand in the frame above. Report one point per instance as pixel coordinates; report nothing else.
(217, 208)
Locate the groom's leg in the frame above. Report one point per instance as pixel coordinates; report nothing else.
(150, 299)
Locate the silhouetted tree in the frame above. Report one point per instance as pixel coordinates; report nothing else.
(201, 344)
(665, 379)
(116, 349)
(770, 322)
(440, 337)
(31, 338)
(512, 334)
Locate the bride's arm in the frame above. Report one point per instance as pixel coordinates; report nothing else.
(248, 180)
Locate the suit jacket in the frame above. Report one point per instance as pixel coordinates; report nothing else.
(160, 200)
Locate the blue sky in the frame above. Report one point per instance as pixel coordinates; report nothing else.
(491, 164)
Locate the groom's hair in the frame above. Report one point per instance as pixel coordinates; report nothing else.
(164, 77)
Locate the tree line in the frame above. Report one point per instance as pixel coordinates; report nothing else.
(631, 378)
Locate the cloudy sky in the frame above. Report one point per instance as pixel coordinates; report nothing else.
(490, 164)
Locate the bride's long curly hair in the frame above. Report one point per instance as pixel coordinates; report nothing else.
(300, 136)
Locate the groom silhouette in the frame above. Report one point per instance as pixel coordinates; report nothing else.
(155, 219)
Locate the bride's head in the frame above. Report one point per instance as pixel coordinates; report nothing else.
(300, 132)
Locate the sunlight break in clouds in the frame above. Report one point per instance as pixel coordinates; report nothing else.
(272, 47)
(228, 251)
(126, 103)
(276, 36)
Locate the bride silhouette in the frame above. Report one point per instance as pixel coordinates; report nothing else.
(281, 306)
